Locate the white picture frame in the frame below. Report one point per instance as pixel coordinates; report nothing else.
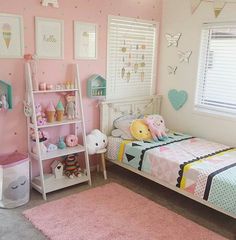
(12, 36)
(49, 38)
(85, 40)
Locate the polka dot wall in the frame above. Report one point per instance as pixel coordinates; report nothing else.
(13, 129)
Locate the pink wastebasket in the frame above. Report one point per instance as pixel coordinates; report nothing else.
(14, 180)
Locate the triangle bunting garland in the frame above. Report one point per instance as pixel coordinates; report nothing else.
(218, 5)
(194, 5)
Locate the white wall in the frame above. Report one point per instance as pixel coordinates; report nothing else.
(177, 18)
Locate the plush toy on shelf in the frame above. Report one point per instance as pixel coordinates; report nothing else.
(157, 127)
(61, 144)
(43, 137)
(40, 115)
(70, 106)
(96, 141)
(72, 140)
(71, 166)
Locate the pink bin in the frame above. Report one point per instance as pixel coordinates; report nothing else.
(14, 180)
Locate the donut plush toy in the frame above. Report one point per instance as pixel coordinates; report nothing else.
(71, 140)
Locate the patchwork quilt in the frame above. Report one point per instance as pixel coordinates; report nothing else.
(203, 168)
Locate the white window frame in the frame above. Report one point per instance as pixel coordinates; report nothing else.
(201, 108)
(156, 40)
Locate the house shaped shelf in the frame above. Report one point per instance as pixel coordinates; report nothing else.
(96, 86)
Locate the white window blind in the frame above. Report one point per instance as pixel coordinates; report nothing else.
(131, 66)
(216, 89)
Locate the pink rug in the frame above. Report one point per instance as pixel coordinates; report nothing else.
(113, 212)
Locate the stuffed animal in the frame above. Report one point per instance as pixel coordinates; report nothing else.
(43, 135)
(40, 115)
(157, 127)
(61, 144)
(70, 106)
(96, 141)
(139, 130)
(71, 166)
(71, 140)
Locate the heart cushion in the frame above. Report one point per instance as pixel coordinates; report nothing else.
(177, 98)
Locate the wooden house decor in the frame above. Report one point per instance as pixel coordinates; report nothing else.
(96, 86)
(57, 169)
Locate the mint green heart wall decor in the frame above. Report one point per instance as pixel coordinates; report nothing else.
(177, 98)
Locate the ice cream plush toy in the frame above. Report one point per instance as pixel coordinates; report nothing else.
(96, 141)
(50, 112)
(157, 127)
(60, 111)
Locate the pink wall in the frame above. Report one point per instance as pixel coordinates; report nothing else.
(13, 123)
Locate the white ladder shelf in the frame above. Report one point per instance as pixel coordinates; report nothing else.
(46, 183)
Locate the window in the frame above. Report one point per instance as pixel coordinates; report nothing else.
(131, 62)
(216, 88)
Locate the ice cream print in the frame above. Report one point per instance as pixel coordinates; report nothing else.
(6, 33)
(11, 36)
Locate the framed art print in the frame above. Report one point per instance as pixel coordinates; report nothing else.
(85, 40)
(11, 36)
(49, 36)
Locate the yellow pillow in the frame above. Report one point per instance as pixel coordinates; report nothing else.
(139, 130)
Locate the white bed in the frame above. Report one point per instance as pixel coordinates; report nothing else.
(111, 110)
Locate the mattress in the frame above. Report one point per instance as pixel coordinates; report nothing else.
(203, 168)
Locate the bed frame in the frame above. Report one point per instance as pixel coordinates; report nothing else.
(110, 110)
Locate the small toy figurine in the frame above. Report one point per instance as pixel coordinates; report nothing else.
(70, 107)
(51, 147)
(0, 105)
(71, 166)
(5, 104)
(40, 116)
(43, 135)
(61, 144)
